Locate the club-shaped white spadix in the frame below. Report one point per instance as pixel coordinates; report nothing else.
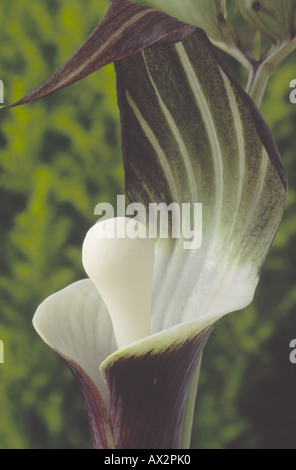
(118, 256)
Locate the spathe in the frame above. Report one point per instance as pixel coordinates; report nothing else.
(126, 29)
(190, 134)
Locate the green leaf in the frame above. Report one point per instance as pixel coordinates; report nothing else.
(209, 15)
(273, 18)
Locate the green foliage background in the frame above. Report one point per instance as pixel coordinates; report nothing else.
(60, 157)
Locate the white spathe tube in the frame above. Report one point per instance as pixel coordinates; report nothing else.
(118, 256)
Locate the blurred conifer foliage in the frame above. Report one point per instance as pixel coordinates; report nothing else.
(61, 156)
(58, 158)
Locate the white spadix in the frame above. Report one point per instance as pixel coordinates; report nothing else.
(118, 256)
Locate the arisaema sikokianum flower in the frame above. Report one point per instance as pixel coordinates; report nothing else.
(134, 333)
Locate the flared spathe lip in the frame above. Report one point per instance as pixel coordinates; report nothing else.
(73, 323)
(76, 324)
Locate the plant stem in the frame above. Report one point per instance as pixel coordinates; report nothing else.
(236, 53)
(259, 76)
(189, 413)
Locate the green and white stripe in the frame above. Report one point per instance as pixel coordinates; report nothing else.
(194, 135)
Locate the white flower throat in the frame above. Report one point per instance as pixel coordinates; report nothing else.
(121, 267)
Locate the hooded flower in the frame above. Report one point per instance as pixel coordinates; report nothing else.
(134, 334)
